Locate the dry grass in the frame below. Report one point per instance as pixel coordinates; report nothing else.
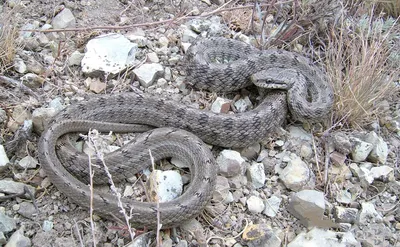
(357, 64)
(8, 46)
(386, 7)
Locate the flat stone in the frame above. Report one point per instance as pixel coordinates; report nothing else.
(272, 205)
(64, 19)
(256, 175)
(109, 54)
(297, 176)
(368, 214)
(75, 58)
(230, 163)
(221, 192)
(27, 209)
(32, 80)
(345, 215)
(338, 158)
(7, 224)
(28, 162)
(148, 73)
(152, 57)
(20, 66)
(18, 239)
(383, 173)
(3, 156)
(306, 151)
(320, 237)
(255, 204)
(243, 104)
(11, 187)
(165, 185)
(308, 206)
(380, 148)
(299, 133)
(188, 35)
(221, 105)
(342, 143)
(41, 117)
(361, 150)
(3, 116)
(33, 66)
(343, 196)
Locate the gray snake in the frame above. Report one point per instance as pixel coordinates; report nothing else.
(181, 130)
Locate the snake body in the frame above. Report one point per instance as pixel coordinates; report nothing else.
(182, 129)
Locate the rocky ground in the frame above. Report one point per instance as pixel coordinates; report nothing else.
(302, 186)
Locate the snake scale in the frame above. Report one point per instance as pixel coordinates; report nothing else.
(215, 64)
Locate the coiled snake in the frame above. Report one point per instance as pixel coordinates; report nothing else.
(215, 64)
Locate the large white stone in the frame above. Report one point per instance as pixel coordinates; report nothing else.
(109, 53)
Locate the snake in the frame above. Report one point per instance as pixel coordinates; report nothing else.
(172, 129)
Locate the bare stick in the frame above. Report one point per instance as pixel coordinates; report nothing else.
(100, 156)
(158, 206)
(91, 175)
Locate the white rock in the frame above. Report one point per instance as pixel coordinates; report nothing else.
(272, 205)
(221, 192)
(361, 150)
(188, 36)
(299, 133)
(18, 239)
(64, 19)
(343, 196)
(128, 191)
(319, 237)
(306, 151)
(75, 58)
(243, 104)
(148, 73)
(163, 41)
(306, 201)
(109, 53)
(368, 214)
(230, 163)
(185, 46)
(380, 149)
(3, 116)
(199, 25)
(169, 185)
(363, 173)
(20, 66)
(3, 156)
(152, 57)
(47, 225)
(221, 105)
(28, 162)
(140, 40)
(256, 175)
(57, 104)
(255, 204)
(385, 173)
(296, 175)
(41, 116)
(7, 224)
(11, 187)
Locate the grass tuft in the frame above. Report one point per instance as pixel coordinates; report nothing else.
(8, 45)
(357, 55)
